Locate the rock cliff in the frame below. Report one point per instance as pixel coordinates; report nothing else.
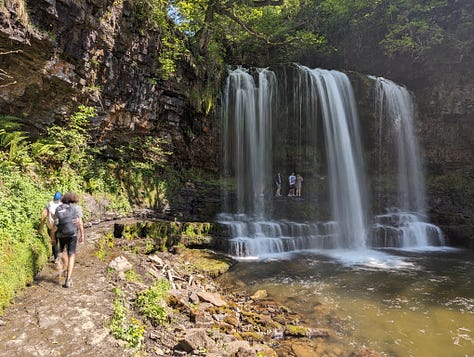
(97, 53)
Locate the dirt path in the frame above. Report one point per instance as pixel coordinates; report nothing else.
(49, 320)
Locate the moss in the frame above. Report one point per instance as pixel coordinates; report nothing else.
(251, 336)
(207, 262)
(297, 331)
(19, 263)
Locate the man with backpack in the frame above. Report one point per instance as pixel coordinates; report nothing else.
(47, 216)
(70, 231)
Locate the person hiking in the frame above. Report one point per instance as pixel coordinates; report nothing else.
(47, 216)
(70, 231)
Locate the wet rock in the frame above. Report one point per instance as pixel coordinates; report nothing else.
(302, 350)
(365, 352)
(240, 348)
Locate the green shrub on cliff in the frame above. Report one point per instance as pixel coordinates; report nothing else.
(22, 252)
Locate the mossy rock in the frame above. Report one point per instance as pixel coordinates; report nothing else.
(207, 262)
(297, 331)
(251, 336)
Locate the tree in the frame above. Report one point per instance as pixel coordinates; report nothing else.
(236, 24)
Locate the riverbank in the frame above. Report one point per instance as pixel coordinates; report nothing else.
(115, 309)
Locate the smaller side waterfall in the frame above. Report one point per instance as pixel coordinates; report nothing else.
(402, 225)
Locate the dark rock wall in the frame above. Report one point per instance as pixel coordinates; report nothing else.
(95, 53)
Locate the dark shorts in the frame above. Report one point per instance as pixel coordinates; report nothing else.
(68, 242)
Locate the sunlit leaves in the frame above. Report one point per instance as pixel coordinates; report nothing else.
(413, 26)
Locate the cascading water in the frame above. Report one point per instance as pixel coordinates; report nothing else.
(248, 113)
(269, 125)
(248, 133)
(344, 154)
(403, 225)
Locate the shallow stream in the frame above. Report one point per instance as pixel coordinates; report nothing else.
(399, 303)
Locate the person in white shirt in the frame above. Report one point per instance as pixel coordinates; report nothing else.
(292, 181)
(47, 216)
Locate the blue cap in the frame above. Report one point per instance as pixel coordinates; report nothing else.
(57, 196)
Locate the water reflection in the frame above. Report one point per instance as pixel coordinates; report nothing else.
(400, 303)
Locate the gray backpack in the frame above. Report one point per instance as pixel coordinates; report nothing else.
(65, 214)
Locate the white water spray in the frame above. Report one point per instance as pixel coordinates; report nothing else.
(344, 155)
(403, 226)
(248, 133)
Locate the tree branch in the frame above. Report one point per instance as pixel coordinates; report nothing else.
(261, 3)
(247, 28)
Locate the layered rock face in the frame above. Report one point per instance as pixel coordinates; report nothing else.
(95, 53)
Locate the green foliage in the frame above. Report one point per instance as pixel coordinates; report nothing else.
(19, 263)
(72, 139)
(122, 326)
(104, 245)
(153, 14)
(16, 150)
(413, 26)
(196, 229)
(132, 276)
(22, 252)
(151, 302)
(407, 27)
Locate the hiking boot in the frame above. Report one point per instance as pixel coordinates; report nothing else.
(68, 283)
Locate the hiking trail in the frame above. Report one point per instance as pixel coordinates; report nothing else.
(47, 319)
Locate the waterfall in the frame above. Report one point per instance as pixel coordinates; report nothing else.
(403, 225)
(305, 121)
(247, 133)
(344, 155)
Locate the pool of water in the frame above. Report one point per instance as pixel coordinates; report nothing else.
(399, 303)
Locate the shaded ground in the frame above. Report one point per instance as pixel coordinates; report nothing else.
(49, 320)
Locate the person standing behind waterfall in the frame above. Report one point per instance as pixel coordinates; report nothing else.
(292, 181)
(299, 180)
(278, 185)
(70, 231)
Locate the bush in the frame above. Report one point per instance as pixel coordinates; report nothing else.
(151, 302)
